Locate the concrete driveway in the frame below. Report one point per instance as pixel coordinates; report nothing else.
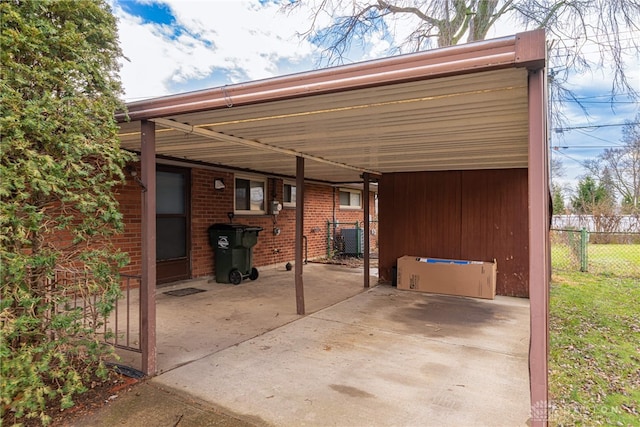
(380, 357)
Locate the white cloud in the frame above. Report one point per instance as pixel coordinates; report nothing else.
(148, 67)
(246, 40)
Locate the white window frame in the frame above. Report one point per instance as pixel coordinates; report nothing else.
(284, 203)
(351, 191)
(250, 178)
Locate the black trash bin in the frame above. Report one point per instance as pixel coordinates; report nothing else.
(233, 245)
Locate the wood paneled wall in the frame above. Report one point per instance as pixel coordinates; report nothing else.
(478, 215)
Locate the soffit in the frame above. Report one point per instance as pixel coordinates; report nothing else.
(470, 121)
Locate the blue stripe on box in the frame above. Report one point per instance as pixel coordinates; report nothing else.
(443, 261)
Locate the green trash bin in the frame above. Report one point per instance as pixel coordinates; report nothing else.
(233, 250)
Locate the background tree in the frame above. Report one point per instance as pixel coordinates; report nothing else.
(594, 199)
(558, 200)
(574, 27)
(622, 165)
(619, 168)
(557, 193)
(590, 197)
(60, 162)
(557, 169)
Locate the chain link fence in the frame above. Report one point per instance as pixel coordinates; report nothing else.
(607, 253)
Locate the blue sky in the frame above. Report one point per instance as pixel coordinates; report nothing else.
(155, 13)
(176, 46)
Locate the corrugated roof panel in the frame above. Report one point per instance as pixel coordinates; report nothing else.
(471, 121)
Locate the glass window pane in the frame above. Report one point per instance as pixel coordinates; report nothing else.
(289, 194)
(242, 194)
(171, 238)
(345, 198)
(355, 199)
(286, 197)
(257, 196)
(170, 193)
(293, 194)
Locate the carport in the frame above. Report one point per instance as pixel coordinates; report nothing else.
(479, 106)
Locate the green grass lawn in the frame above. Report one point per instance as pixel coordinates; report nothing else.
(614, 259)
(594, 361)
(606, 259)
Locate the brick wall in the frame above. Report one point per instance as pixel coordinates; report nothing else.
(209, 206)
(130, 198)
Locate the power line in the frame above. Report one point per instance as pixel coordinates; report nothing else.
(580, 162)
(600, 139)
(603, 96)
(562, 129)
(599, 102)
(608, 95)
(562, 51)
(583, 147)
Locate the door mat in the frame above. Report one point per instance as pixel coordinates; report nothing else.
(183, 292)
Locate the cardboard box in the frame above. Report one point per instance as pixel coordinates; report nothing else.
(445, 276)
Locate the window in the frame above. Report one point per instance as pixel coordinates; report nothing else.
(250, 195)
(289, 195)
(350, 199)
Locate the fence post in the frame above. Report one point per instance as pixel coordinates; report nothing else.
(584, 240)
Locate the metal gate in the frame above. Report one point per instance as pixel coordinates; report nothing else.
(122, 328)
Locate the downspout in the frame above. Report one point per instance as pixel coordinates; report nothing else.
(333, 219)
(333, 212)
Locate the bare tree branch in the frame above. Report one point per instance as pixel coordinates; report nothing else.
(574, 27)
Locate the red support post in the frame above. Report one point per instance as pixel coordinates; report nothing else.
(148, 285)
(299, 234)
(539, 249)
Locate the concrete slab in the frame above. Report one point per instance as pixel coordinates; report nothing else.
(194, 326)
(383, 357)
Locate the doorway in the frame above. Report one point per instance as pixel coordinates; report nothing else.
(173, 224)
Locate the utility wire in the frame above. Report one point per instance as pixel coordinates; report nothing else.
(599, 102)
(583, 147)
(562, 129)
(580, 162)
(600, 139)
(622, 94)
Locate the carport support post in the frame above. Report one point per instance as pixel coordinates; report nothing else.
(148, 285)
(367, 231)
(299, 233)
(538, 249)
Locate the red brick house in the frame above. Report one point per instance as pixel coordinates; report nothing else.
(455, 137)
(190, 203)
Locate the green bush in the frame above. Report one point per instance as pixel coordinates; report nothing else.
(61, 160)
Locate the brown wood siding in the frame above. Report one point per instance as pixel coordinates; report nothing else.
(479, 215)
(495, 219)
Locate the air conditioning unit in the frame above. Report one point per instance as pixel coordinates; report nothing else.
(353, 241)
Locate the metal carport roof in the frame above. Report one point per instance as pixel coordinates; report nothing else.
(474, 106)
(463, 107)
